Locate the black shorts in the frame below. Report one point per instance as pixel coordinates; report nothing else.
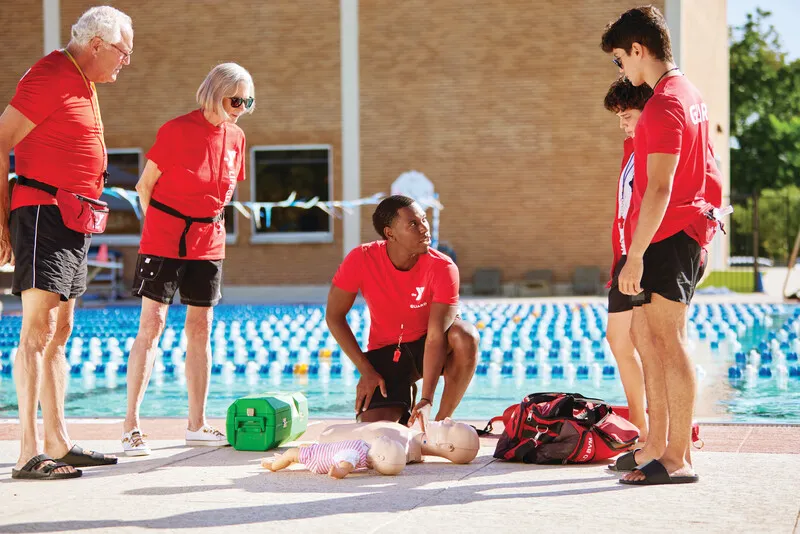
(671, 269)
(618, 301)
(48, 255)
(398, 376)
(158, 278)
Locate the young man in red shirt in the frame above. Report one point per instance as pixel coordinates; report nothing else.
(627, 102)
(670, 221)
(54, 124)
(415, 332)
(191, 173)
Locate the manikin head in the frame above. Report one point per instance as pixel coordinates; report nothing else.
(458, 442)
(387, 456)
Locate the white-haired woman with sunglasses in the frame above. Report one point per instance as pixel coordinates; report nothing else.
(190, 175)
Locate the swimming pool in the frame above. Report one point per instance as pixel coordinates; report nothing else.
(746, 358)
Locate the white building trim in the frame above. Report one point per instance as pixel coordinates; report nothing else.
(351, 135)
(672, 12)
(51, 15)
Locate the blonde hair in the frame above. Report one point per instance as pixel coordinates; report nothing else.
(222, 82)
(104, 22)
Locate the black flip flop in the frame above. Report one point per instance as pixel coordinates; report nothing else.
(626, 462)
(655, 473)
(77, 457)
(47, 472)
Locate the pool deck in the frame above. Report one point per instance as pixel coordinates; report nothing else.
(750, 482)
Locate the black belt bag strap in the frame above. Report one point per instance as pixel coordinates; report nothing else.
(188, 220)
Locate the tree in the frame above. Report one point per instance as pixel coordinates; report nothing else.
(764, 110)
(779, 211)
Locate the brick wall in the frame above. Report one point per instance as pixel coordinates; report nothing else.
(292, 51)
(22, 43)
(498, 103)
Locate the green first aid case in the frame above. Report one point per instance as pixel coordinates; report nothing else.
(266, 420)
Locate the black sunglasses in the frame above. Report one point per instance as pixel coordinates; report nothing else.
(237, 101)
(617, 61)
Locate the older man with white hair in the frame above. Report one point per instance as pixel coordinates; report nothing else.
(53, 122)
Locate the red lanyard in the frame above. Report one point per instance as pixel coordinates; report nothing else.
(95, 107)
(399, 341)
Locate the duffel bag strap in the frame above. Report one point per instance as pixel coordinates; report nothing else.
(489, 426)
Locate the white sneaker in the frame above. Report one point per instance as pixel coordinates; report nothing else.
(207, 436)
(133, 443)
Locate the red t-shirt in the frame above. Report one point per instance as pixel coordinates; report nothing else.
(65, 149)
(200, 165)
(624, 190)
(396, 297)
(675, 121)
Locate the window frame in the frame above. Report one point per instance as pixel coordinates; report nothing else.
(290, 237)
(230, 238)
(123, 240)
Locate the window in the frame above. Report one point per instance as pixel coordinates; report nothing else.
(124, 169)
(277, 172)
(231, 220)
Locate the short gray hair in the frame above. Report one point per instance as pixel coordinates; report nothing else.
(104, 22)
(221, 82)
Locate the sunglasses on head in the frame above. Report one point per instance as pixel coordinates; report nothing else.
(237, 101)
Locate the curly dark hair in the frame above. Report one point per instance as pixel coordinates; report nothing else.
(644, 25)
(623, 95)
(385, 213)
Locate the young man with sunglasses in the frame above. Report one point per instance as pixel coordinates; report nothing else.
(191, 173)
(669, 222)
(53, 122)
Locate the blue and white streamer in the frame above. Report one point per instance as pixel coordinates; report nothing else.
(254, 210)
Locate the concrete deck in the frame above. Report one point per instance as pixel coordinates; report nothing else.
(750, 482)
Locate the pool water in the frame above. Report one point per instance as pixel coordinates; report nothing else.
(746, 358)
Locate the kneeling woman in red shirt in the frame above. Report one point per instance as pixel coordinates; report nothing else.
(191, 172)
(411, 291)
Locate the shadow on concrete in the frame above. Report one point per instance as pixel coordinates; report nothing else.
(128, 467)
(365, 493)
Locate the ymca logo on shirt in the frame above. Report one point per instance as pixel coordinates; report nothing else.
(418, 296)
(230, 160)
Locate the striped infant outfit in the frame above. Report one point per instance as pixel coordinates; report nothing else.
(320, 457)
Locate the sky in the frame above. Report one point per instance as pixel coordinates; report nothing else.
(785, 17)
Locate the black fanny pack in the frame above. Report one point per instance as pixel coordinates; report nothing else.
(188, 220)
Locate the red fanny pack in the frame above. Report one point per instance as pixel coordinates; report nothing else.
(79, 213)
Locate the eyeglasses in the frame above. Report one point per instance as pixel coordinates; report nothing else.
(125, 55)
(617, 61)
(237, 101)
